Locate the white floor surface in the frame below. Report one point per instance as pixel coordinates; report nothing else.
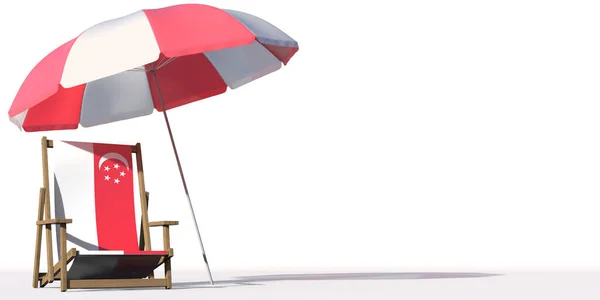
(336, 285)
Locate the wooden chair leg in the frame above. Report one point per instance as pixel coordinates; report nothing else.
(145, 230)
(38, 240)
(167, 246)
(49, 255)
(63, 258)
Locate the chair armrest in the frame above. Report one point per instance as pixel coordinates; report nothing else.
(54, 221)
(163, 223)
(166, 235)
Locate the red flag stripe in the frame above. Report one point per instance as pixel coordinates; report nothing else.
(114, 198)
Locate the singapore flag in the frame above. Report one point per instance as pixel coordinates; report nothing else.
(94, 186)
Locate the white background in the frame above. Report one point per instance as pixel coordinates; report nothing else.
(404, 135)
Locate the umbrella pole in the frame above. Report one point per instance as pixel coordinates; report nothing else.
(181, 173)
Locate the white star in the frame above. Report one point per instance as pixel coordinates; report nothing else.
(117, 181)
(116, 166)
(122, 174)
(106, 177)
(106, 169)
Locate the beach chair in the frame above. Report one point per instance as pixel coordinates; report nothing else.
(94, 197)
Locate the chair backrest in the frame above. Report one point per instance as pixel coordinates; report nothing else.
(94, 185)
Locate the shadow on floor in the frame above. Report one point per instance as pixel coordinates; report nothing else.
(262, 279)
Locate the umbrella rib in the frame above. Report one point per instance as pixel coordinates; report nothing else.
(139, 70)
(166, 62)
(154, 66)
(161, 60)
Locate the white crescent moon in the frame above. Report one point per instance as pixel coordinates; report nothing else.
(113, 155)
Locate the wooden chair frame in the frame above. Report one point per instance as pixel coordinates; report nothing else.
(58, 271)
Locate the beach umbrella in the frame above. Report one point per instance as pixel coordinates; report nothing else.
(152, 59)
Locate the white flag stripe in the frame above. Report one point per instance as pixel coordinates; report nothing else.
(74, 193)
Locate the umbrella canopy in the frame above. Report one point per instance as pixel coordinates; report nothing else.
(195, 51)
